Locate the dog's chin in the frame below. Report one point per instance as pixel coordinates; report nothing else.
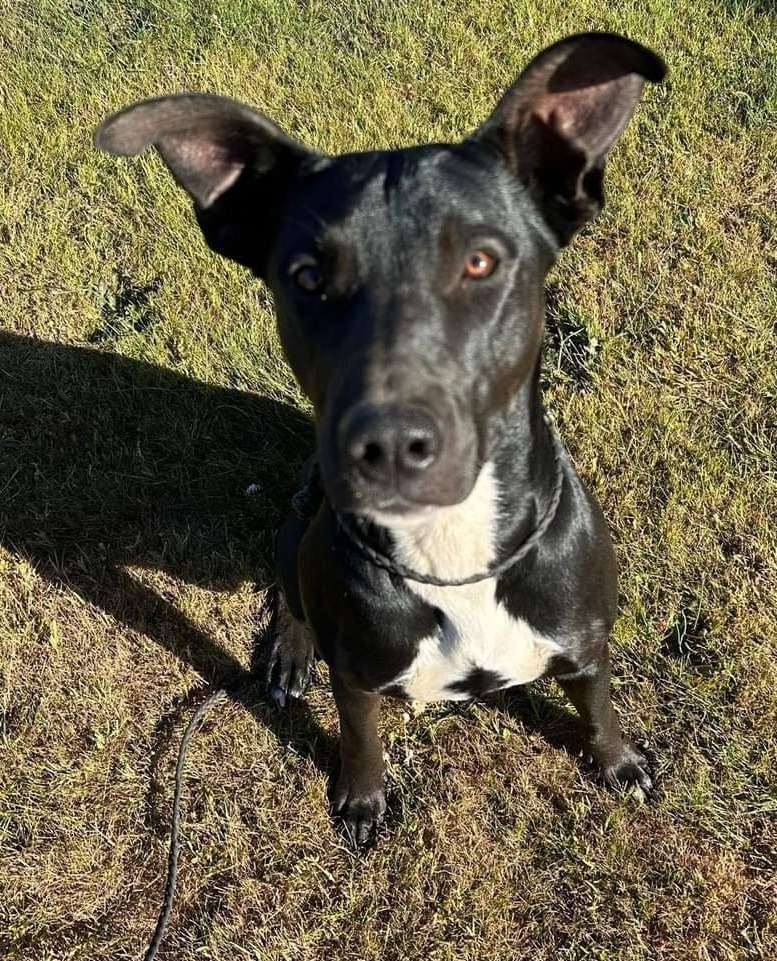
(394, 512)
(398, 513)
(370, 506)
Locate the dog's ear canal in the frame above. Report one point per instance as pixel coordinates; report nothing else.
(236, 165)
(557, 122)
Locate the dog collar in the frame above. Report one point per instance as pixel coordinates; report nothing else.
(387, 563)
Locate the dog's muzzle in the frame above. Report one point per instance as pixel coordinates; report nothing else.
(394, 456)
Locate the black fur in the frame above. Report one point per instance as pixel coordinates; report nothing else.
(418, 371)
(478, 682)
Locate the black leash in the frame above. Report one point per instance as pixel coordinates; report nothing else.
(172, 858)
(379, 559)
(217, 697)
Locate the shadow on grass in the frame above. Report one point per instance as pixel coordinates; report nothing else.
(108, 463)
(556, 724)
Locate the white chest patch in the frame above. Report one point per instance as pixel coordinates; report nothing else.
(476, 633)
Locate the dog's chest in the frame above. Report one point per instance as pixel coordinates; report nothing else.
(478, 645)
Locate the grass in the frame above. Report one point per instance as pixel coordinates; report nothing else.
(142, 391)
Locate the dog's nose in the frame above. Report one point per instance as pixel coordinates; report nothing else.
(389, 443)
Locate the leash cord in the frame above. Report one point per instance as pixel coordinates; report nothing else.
(172, 858)
(394, 567)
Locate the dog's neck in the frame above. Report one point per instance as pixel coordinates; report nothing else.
(524, 466)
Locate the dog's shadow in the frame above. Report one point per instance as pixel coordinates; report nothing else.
(109, 464)
(540, 713)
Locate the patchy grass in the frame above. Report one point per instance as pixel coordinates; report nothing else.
(142, 392)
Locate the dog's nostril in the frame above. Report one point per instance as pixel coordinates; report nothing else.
(373, 454)
(418, 453)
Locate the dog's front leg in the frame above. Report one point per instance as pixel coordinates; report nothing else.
(359, 797)
(288, 661)
(589, 690)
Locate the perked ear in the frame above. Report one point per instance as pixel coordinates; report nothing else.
(235, 164)
(558, 121)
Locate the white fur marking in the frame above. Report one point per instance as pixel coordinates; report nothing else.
(478, 632)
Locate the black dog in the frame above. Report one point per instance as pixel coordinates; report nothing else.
(455, 550)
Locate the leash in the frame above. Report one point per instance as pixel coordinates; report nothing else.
(217, 697)
(172, 858)
(387, 563)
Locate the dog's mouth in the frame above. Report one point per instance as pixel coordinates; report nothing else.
(386, 508)
(396, 512)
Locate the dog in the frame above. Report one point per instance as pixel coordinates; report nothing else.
(449, 549)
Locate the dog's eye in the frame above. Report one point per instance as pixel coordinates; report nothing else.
(480, 264)
(308, 276)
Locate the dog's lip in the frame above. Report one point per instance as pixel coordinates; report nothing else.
(392, 505)
(363, 504)
(398, 507)
(366, 503)
(394, 512)
(361, 501)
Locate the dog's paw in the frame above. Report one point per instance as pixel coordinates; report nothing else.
(360, 812)
(629, 771)
(287, 677)
(289, 660)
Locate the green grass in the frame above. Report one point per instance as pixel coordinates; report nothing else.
(142, 390)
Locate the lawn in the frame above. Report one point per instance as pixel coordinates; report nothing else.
(143, 391)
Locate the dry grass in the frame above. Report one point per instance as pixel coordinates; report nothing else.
(141, 392)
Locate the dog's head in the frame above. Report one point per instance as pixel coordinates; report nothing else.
(408, 283)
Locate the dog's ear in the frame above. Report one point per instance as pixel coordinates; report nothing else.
(236, 165)
(562, 115)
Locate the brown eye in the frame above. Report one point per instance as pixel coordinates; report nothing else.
(309, 277)
(480, 265)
